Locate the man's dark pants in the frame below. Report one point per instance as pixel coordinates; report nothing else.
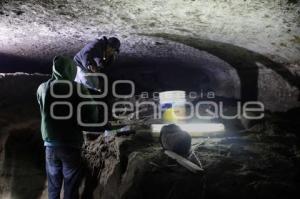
(63, 165)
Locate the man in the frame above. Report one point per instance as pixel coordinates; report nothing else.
(58, 99)
(93, 57)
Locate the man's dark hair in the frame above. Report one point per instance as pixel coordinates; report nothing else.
(114, 43)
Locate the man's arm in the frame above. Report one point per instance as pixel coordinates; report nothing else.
(39, 94)
(91, 54)
(90, 61)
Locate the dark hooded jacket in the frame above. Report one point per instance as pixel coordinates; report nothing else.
(67, 131)
(91, 54)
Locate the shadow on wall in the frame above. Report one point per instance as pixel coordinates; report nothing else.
(152, 74)
(23, 166)
(13, 63)
(243, 60)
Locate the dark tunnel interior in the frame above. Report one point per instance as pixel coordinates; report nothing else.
(231, 72)
(232, 68)
(235, 62)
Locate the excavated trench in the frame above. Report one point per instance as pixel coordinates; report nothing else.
(262, 162)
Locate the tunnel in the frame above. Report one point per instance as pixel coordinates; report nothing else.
(236, 51)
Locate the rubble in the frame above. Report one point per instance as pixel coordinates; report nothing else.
(250, 164)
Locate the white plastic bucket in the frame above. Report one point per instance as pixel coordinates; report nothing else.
(175, 100)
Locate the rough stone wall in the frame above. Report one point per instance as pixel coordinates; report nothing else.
(22, 172)
(43, 28)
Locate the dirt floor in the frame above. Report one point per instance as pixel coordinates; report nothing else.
(259, 163)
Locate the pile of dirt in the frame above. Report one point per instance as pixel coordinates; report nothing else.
(97, 152)
(262, 162)
(133, 167)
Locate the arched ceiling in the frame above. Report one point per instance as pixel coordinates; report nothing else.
(241, 47)
(42, 28)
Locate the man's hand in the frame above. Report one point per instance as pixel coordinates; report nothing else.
(92, 68)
